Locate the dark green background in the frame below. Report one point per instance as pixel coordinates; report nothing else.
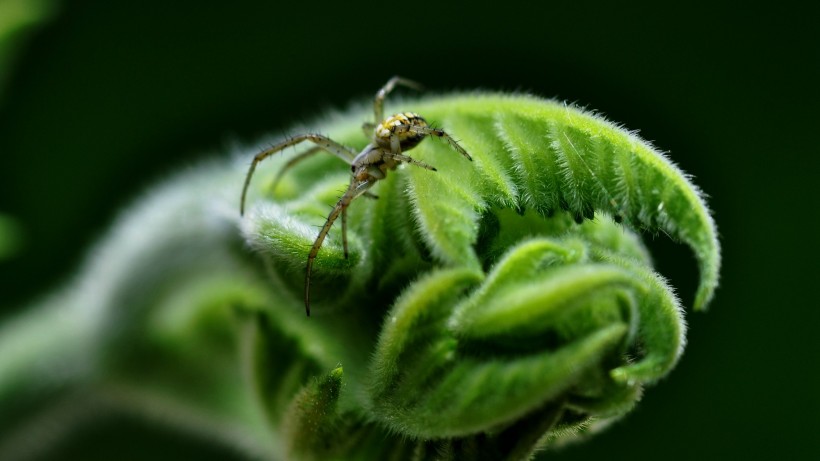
(110, 97)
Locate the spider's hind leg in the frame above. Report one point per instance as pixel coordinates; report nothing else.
(378, 102)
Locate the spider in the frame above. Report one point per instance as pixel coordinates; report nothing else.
(390, 138)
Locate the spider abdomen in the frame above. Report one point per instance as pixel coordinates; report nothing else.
(401, 126)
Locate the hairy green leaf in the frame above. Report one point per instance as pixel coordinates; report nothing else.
(459, 352)
(485, 311)
(529, 154)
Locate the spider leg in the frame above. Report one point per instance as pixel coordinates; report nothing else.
(322, 142)
(405, 159)
(378, 103)
(428, 131)
(291, 163)
(355, 189)
(368, 128)
(395, 151)
(395, 144)
(344, 230)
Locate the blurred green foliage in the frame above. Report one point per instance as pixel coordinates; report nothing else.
(11, 237)
(18, 21)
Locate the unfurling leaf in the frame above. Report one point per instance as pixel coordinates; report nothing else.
(486, 310)
(536, 293)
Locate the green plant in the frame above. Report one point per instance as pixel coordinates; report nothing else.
(18, 19)
(482, 313)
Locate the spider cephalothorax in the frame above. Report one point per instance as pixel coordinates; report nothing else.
(391, 137)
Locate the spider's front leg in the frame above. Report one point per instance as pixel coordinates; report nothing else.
(356, 188)
(438, 133)
(401, 158)
(395, 144)
(291, 163)
(322, 143)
